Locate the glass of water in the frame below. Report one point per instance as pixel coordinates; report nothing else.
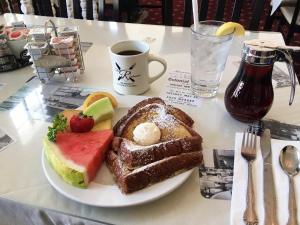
(208, 55)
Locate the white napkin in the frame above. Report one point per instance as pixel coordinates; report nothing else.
(238, 201)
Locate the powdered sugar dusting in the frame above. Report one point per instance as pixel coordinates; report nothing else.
(166, 122)
(170, 128)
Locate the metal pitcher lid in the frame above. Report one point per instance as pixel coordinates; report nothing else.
(259, 51)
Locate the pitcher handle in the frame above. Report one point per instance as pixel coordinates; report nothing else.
(162, 61)
(293, 82)
(290, 65)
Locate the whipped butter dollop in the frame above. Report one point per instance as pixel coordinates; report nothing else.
(146, 134)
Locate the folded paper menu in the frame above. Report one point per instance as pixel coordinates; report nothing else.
(238, 201)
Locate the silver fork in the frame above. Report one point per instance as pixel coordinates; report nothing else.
(248, 152)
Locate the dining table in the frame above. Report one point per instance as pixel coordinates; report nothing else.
(23, 181)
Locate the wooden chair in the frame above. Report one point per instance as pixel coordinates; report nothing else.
(287, 14)
(83, 9)
(4, 7)
(80, 9)
(44, 8)
(37, 7)
(10, 6)
(166, 7)
(257, 10)
(166, 10)
(277, 15)
(117, 7)
(89, 9)
(291, 17)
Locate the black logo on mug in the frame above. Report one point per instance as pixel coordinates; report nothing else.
(126, 74)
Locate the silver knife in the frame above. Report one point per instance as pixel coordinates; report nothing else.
(269, 187)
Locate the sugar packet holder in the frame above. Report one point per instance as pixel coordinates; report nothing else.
(55, 55)
(66, 43)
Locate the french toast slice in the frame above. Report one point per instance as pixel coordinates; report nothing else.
(177, 136)
(177, 113)
(130, 180)
(134, 155)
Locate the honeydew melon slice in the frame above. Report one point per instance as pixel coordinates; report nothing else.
(100, 110)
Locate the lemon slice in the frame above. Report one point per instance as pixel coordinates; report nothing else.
(231, 27)
(98, 95)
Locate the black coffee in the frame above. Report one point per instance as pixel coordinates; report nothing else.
(129, 52)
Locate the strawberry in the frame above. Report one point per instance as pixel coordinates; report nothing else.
(81, 123)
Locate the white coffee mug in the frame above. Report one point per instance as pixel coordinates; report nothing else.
(130, 63)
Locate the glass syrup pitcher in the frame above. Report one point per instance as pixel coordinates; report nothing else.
(249, 96)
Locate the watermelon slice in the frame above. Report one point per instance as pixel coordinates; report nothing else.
(76, 157)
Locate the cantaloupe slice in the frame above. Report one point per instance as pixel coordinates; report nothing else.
(103, 125)
(68, 113)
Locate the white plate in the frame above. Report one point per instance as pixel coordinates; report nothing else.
(103, 191)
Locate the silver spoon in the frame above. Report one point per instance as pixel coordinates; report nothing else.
(290, 163)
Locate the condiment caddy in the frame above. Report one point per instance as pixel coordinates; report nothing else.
(56, 52)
